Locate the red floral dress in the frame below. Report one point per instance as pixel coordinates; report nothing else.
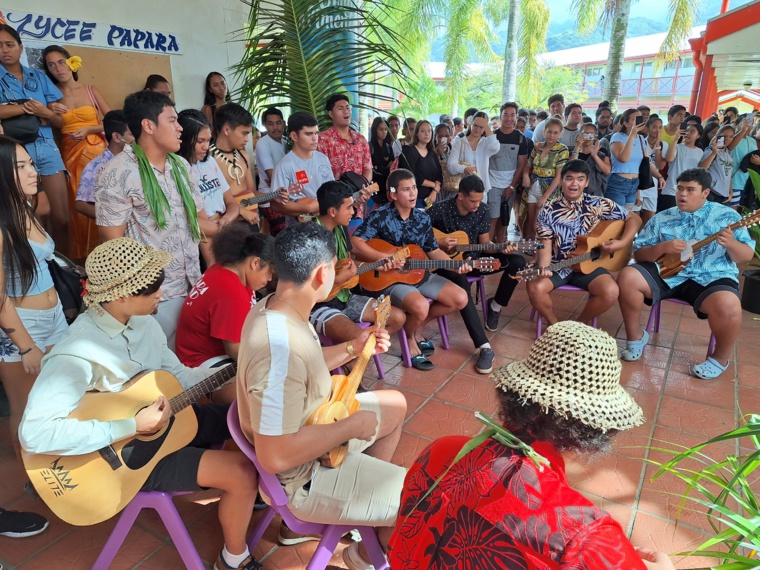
(496, 510)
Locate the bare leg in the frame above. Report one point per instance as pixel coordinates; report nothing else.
(539, 293)
(646, 215)
(724, 315)
(633, 289)
(603, 293)
(416, 308)
(235, 476)
(451, 298)
(529, 231)
(58, 195)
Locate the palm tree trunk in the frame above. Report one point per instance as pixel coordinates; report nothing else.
(617, 51)
(509, 82)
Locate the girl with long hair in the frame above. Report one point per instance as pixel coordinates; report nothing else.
(215, 95)
(221, 207)
(31, 316)
(420, 158)
(82, 137)
(381, 149)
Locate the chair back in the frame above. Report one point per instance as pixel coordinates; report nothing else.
(268, 482)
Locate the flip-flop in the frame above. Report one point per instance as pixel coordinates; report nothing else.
(427, 347)
(421, 362)
(709, 369)
(634, 348)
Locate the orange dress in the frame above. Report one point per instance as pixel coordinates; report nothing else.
(76, 155)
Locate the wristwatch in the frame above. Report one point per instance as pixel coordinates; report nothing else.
(510, 187)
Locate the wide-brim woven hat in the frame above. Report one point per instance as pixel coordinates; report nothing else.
(574, 370)
(121, 267)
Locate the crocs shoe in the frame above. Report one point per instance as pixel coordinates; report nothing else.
(634, 348)
(710, 369)
(353, 560)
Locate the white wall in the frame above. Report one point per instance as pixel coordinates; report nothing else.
(204, 28)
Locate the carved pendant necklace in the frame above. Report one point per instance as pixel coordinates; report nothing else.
(233, 168)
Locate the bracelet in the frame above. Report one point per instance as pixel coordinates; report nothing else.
(350, 349)
(28, 350)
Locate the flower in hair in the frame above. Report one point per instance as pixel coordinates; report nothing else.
(74, 63)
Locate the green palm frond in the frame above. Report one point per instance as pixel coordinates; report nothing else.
(534, 25)
(589, 14)
(681, 16)
(301, 51)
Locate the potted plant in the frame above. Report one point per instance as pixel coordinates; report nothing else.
(728, 489)
(751, 289)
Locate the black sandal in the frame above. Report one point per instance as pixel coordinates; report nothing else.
(421, 362)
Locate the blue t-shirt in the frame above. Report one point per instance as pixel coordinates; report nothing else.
(36, 86)
(632, 166)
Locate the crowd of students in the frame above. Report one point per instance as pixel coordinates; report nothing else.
(168, 194)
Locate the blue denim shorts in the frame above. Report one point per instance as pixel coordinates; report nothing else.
(46, 327)
(46, 156)
(621, 190)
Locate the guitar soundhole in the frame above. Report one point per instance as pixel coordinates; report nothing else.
(596, 252)
(137, 453)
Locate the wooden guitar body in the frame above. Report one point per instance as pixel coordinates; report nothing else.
(379, 280)
(603, 232)
(461, 237)
(87, 489)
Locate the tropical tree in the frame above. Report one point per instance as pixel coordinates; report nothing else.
(614, 15)
(302, 51)
(528, 22)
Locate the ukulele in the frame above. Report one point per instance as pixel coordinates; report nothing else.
(415, 266)
(250, 201)
(342, 402)
(90, 488)
(672, 263)
(528, 246)
(588, 254)
(352, 282)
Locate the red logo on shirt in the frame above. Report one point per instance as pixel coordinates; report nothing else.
(302, 177)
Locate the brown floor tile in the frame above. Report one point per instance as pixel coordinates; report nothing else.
(694, 418)
(637, 375)
(474, 392)
(409, 448)
(437, 419)
(662, 536)
(718, 392)
(612, 476)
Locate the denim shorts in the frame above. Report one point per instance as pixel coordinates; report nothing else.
(621, 190)
(46, 156)
(46, 327)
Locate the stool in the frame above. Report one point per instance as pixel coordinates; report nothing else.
(327, 341)
(540, 321)
(481, 291)
(654, 319)
(406, 357)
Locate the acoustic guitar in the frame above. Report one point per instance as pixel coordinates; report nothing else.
(528, 246)
(399, 255)
(588, 254)
(88, 489)
(672, 263)
(415, 266)
(342, 402)
(250, 201)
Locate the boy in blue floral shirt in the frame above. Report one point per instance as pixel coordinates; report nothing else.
(709, 282)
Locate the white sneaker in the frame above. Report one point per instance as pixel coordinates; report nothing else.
(354, 560)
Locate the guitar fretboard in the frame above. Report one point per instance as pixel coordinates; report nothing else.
(745, 221)
(521, 246)
(372, 266)
(192, 394)
(572, 260)
(437, 263)
(259, 199)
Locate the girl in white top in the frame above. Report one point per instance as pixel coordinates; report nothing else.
(221, 207)
(681, 156)
(471, 154)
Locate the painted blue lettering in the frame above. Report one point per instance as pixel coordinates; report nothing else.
(160, 41)
(71, 30)
(126, 39)
(173, 44)
(85, 34)
(149, 41)
(59, 23)
(139, 37)
(21, 25)
(114, 34)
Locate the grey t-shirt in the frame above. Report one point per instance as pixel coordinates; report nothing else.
(569, 137)
(311, 172)
(268, 153)
(685, 158)
(503, 164)
(720, 170)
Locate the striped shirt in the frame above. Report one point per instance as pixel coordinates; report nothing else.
(282, 379)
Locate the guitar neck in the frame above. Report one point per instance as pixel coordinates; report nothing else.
(570, 261)
(433, 264)
(371, 266)
(520, 245)
(357, 372)
(192, 394)
(259, 199)
(709, 239)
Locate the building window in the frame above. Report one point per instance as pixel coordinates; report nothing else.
(592, 72)
(670, 66)
(687, 62)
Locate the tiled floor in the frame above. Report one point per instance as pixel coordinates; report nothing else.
(680, 410)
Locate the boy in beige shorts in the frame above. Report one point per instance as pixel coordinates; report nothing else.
(284, 376)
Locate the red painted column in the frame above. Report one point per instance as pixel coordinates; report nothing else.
(724, 6)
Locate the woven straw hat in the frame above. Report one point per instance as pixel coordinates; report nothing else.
(121, 267)
(574, 370)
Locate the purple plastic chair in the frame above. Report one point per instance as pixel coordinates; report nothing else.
(653, 324)
(327, 341)
(331, 533)
(162, 503)
(540, 321)
(406, 357)
(480, 280)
